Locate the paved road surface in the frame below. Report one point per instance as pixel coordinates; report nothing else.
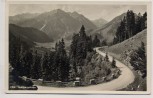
(126, 78)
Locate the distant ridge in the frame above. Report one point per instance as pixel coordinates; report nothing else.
(29, 34)
(108, 31)
(57, 24)
(100, 22)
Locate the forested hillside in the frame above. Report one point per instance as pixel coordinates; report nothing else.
(58, 65)
(121, 27)
(130, 26)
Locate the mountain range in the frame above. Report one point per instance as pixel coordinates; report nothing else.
(56, 24)
(59, 24)
(21, 17)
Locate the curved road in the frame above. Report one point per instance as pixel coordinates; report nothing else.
(126, 78)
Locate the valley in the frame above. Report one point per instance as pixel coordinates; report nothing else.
(51, 45)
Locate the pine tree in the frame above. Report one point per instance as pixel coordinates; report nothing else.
(36, 68)
(142, 53)
(104, 43)
(132, 23)
(20, 59)
(61, 61)
(144, 21)
(82, 47)
(50, 66)
(81, 50)
(56, 45)
(96, 42)
(82, 33)
(89, 43)
(124, 29)
(56, 63)
(73, 46)
(139, 23)
(113, 63)
(106, 58)
(118, 38)
(138, 60)
(44, 66)
(128, 23)
(28, 59)
(115, 40)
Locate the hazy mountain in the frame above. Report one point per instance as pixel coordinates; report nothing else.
(29, 34)
(21, 17)
(100, 22)
(57, 23)
(83, 20)
(108, 31)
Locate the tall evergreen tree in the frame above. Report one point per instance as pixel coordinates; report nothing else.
(138, 59)
(132, 23)
(124, 33)
(103, 43)
(96, 42)
(36, 68)
(89, 43)
(56, 45)
(106, 58)
(62, 62)
(45, 66)
(81, 50)
(73, 46)
(139, 23)
(28, 59)
(82, 33)
(113, 63)
(51, 67)
(144, 21)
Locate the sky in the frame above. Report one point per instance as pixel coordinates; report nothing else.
(91, 11)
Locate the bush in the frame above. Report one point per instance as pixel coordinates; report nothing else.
(28, 82)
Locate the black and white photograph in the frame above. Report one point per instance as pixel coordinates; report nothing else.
(78, 47)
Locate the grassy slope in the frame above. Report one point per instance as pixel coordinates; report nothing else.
(122, 51)
(129, 44)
